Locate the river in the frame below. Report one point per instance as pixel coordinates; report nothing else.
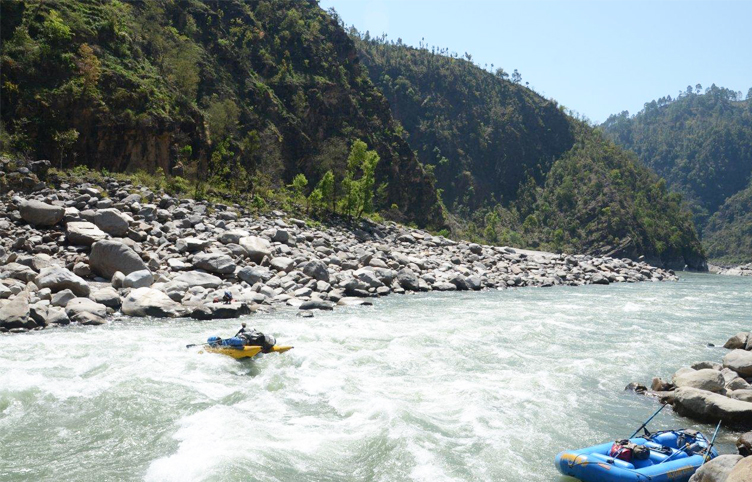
(432, 387)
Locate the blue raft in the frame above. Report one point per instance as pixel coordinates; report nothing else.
(667, 456)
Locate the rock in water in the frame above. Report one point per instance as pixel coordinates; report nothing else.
(15, 314)
(316, 305)
(705, 379)
(76, 306)
(740, 361)
(58, 279)
(737, 341)
(716, 470)
(744, 444)
(108, 257)
(83, 233)
(708, 406)
(257, 248)
(150, 302)
(38, 213)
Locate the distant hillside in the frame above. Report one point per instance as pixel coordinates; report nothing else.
(702, 145)
(241, 93)
(514, 168)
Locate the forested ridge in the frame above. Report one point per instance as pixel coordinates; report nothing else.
(515, 168)
(262, 97)
(701, 142)
(244, 94)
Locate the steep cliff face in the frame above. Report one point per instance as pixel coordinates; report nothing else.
(246, 93)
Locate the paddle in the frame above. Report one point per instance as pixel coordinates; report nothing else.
(648, 421)
(196, 344)
(712, 442)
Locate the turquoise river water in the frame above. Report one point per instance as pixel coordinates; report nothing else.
(433, 387)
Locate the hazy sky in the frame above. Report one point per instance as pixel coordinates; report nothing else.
(597, 57)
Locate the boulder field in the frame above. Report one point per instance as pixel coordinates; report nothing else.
(83, 253)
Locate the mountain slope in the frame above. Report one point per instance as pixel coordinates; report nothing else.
(243, 93)
(514, 168)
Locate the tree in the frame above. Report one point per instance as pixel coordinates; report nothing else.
(698, 89)
(298, 185)
(749, 94)
(89, 68)
(358, 193)
(516, 77)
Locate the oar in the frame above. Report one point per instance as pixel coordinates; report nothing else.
(196, 344)
(712, 442)
(648, 420)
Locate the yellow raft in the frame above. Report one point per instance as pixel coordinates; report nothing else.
(244, 352)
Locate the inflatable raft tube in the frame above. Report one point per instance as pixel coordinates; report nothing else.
(244, 352)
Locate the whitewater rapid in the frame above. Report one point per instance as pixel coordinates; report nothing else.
(431, 387)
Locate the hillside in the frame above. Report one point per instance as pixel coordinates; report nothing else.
(512, 167)
(242, 94)
(702, 144)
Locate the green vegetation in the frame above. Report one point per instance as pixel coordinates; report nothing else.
(514, 168)
(702, 144)
(240, 96)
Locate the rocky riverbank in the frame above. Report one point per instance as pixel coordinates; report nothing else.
(741, 270)
(711, 392)
(83, 253)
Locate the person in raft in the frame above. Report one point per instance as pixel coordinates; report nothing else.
(252, 337)
(242, 330)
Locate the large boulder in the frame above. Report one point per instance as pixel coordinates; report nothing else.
(256, 248)
(740, 361)
(198, 278)
(742, 471)
(111, 221)
(317, 270)
(408, 281)
(106, 296)
(744, 444)
(107, 257)
(83, 233)
(76, 306)
(139, 279)
(57, 279)
(220, 311)
(18, 271)
(282, 263)
(716, 470)
(15, 313)
(254, 274)
(711, 407)
(150, 302)
(214, 263)
(38, 213)
(705, 379)
(738, 341)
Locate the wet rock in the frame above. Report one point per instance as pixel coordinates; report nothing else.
(636, 387)
(142, 302)
(58, 279)
(659, 385)
(716, 470)
(738, 341)
(744, 444)
(108, 257)
(87, 318)
(740, 361)
(219, 311)
(316, 305)
(57, 316)
(83, 233)
(38, 213)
